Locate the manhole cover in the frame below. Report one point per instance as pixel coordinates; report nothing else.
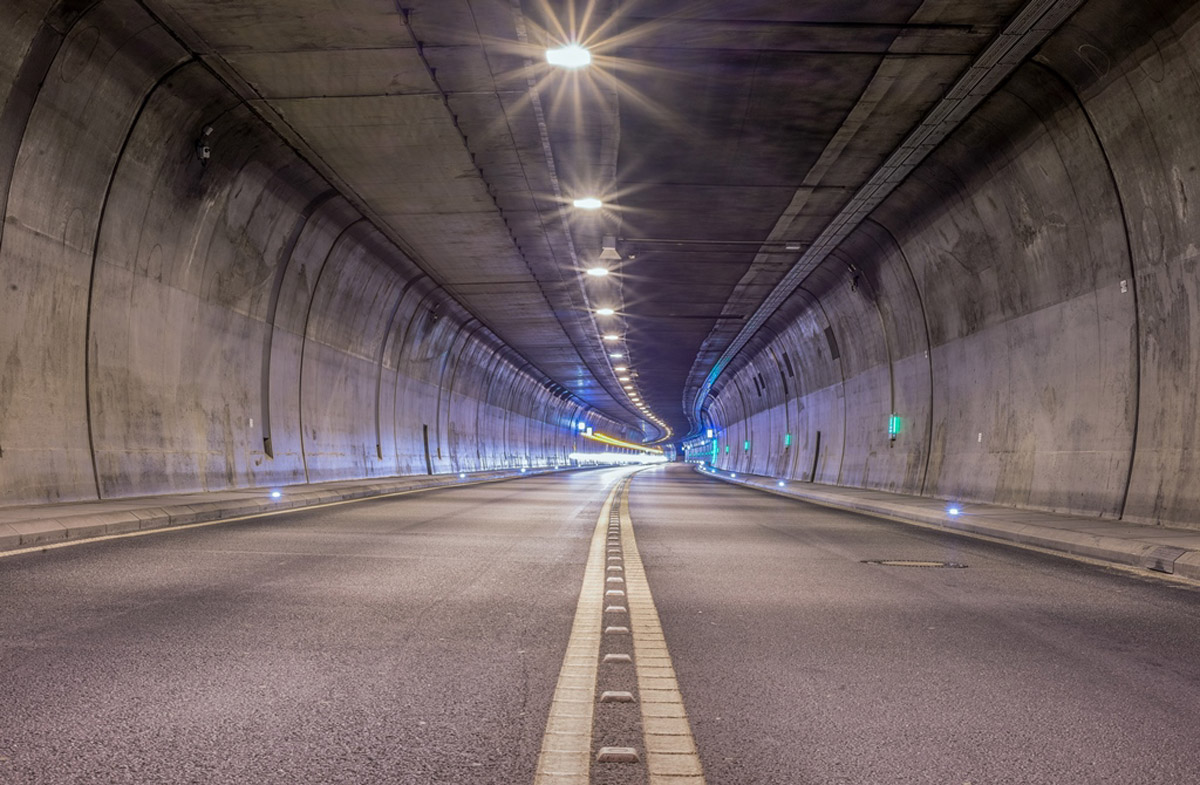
(914, 563)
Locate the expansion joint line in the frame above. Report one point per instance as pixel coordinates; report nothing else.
(615, 604)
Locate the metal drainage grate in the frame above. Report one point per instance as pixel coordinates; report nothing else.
(914, 563)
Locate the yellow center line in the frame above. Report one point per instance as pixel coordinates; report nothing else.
(565, 758)
(671, 756)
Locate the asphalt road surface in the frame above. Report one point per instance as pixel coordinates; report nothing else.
(411, 640)
(419, 639)
(799, 663)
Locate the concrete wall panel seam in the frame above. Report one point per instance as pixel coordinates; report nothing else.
(88, 370)
(445, 390)
(22, 97)
(31, 76)
(1133, 284)
(407, 345)
(485, 396)
(281, 269)
(305, 339)
(383, 344)
(841, 365)
(871, 221)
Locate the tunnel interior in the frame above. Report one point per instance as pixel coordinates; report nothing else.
(263, 244)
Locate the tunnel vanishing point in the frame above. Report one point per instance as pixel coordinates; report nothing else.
(939, 249)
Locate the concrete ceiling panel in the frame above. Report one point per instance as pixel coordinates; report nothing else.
(470, 69)
(333, 72)
(815, 37)
(292, 25)
(410, 120)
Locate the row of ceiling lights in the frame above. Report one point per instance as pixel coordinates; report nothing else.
(575, 56)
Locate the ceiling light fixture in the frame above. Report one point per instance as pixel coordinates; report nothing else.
(605, 311)
(608, 248)
(611, 337)
(598, 272)
(569, 56)
(616, 356)
(588, 203)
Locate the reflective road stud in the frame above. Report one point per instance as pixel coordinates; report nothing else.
(671, 757)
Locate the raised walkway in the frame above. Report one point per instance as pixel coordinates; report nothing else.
(1157, 548)
(39, 525)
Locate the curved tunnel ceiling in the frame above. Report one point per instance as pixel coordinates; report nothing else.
(723, 138)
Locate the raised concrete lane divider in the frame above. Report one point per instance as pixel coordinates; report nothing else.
(1155, 548)
(616, 611)
(47, 525)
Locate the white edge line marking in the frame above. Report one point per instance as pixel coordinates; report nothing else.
(69, 543)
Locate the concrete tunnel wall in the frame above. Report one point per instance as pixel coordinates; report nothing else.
(167, 325)
(1027, 302)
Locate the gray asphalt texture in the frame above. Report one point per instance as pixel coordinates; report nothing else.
(414, 640)
(799, 664)
(419, 639)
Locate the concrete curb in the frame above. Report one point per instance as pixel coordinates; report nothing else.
(18, 535)
(1068, 535)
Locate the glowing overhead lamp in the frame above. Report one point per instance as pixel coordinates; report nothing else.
(569, 56)
(623, 378)
(598, 272)
(588, 203)
(611, 337)
(616, 355)
(605, 311)
(620, 368)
